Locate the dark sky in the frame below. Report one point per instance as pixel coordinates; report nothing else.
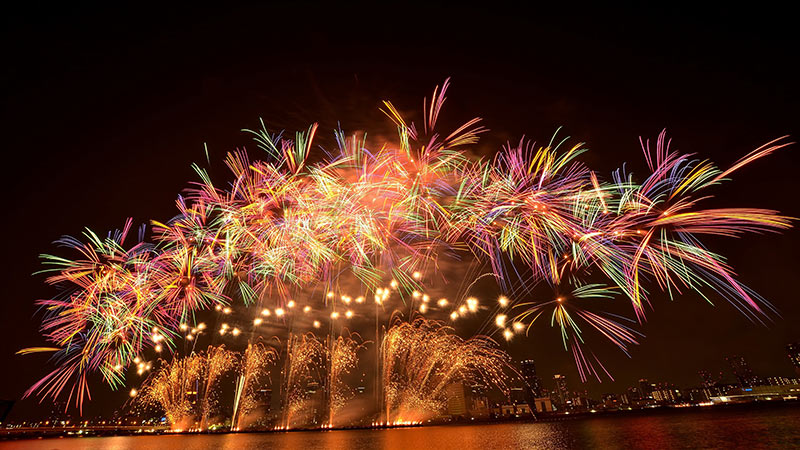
(103, 110)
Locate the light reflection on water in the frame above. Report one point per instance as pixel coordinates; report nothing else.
(772, 428)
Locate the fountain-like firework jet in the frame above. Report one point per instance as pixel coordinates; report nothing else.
(306, 356)
(343, 358)
(254, 371)
(172, 387)
(218, 361)
(422, 357)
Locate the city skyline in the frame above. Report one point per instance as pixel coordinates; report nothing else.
(738, 375)
(563, 395)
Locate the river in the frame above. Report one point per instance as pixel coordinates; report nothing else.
(774, 427)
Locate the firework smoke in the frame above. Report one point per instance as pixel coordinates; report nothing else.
(422, 357)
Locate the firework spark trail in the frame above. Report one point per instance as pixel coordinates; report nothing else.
(306, 356)
(422, 357)
(185, 267)
(343, 358)
(218, 361)
(564, 310)
(532, 213)
(169, 388)
(253, 372)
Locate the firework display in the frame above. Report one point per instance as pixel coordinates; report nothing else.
(255, 364)
(303, 369)
(421, 358)
(280, 239)
(172, 386)
(218, 361)
(343, 359)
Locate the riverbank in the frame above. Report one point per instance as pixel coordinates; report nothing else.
(108, 431)
(757, 426)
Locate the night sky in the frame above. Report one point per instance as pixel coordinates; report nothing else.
(103, 111)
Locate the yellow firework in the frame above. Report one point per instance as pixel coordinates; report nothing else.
(422, 357)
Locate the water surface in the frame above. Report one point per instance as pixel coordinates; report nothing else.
(739, 428)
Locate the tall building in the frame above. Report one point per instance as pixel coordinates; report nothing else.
(667, 394)
(645, 389)
(531, 380)
(465, 400)
(794, 355)
(634, 393)
(315, 393)
(561, 392)
(518, 394)
(479, 405)
(742, 371)
(580, 400)
(263, 398)
(458, 399)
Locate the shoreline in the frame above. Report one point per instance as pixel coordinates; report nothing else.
(39, 433)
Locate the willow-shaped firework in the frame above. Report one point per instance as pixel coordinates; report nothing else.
(421, 358)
